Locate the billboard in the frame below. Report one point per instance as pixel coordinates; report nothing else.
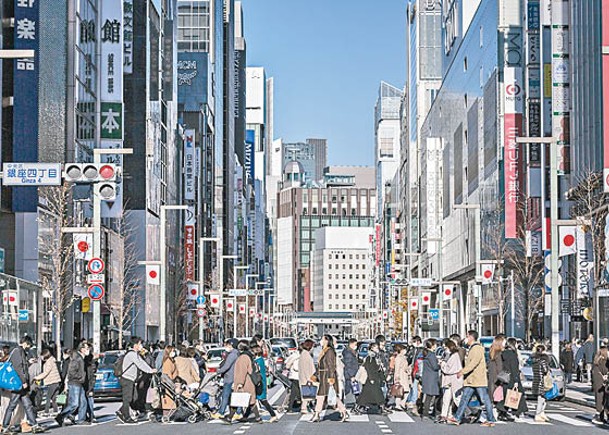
(561, 95)
(25, 100)
(189, 165)
(189, 253)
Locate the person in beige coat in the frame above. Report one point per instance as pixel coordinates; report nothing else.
(51, 379)
(187, 369)
(452, 382)
(306, 370)
(244, 367)
(401, 375)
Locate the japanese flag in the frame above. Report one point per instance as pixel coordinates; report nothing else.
(414, 304)
(488, 272)
(426, 298)
(252, 312)
(153, 274)
(447, 292)
(230, 305)
(241, 308)
(266, 318)
(567, 240)
(83, 246)
(9, 298)
(193, 291)
(385, 315)
(214, 301)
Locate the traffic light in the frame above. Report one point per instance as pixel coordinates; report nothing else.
(106, 190)
(90, 172)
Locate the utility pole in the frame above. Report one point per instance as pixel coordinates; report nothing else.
(202, 240)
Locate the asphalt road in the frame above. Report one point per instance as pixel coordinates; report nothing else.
(566, 418)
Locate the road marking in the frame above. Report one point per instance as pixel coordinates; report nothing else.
(363, 418)
(239, 432)
(400, 417)
(568, 420)
(386, 431)
(277, 395)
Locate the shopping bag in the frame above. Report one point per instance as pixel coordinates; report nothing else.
(239, 400)
(498, 394)
(552, 393)
(153, 397)
(308, 391)
(332, 396)
(9, 379)
(362, 375)
(356, 388)
(548, 383)
(62, 399)
(397, 391)
(512, 398)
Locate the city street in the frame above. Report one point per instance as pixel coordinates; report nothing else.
(566, 418)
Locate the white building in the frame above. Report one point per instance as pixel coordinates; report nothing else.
(340, 267)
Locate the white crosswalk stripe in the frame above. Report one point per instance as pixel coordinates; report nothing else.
(400, 417)
(569, 420)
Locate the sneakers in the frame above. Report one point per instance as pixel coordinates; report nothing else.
(539, 419)
(38, 429)
(453, 421)
(215, 416)
(274, 419)
(487, 424)
(123, 419)
(237, 417)
(59, 420)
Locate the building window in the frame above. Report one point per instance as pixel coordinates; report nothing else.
(330, 267)
(344, 306)
(344, 287)
(350, 266)
(351, 296)
(363, 286)
(350, 286)
(350, 306)
(330, 296)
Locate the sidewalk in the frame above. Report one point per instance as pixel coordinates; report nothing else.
(580, 394)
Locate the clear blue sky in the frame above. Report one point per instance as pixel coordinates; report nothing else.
(327, 58)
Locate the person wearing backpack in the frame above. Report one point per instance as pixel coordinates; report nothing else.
(76, 379)
(128, 367)
(261, 389)
(18, 358)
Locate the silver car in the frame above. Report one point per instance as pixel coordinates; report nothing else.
(526, 374)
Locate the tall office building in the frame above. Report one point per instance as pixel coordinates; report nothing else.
(312, 155)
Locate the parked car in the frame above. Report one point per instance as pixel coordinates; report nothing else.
(279, 354)
(214, 359)
(289, 342)
(558, 375)
(362, 349)
(106, 384)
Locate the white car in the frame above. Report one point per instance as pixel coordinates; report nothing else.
(526, 374)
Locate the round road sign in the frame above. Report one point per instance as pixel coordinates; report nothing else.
(96, 265)
(201, 312)
(96, 292)
(201, 300)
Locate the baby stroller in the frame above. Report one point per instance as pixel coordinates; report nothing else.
(188, 405)
(287, 384)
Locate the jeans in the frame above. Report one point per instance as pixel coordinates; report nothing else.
(227, 389)
(76, 401)
(128, 391)
(414, 392)
(90, 408)
(24, 398)
(482, 392)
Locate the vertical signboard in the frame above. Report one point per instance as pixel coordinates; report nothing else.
(560, 83)
(128, 36)
(585, 264)
(605, 45)
(512, 125)
(189, 253)
(378, 245)
(25, 100)
(189, 165)
(111, 93)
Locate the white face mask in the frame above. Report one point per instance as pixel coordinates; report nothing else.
(172, 354)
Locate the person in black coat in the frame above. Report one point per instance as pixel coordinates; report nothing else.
(91, 364)
(541, 367)
(568, 362)
(430, 380)
(511, 365)
(372, 392)
(351, 364)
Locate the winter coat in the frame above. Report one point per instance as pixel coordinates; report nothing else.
(600, 369)
(474, 371)
(326, 371)
(541, 367)
(188, 370)
(90, 371)
(50, 373)
(243, 381)
(18, 358)
(510, 363)
(76, 370)
(585, 353)
(431, 375)
(351, 367)
(340, 377)
(292, 365)
(227, 366)
(262, 369)
(169, 368)
(372, 391)
(567, 360)
(306, 367)
(450, 370)
(401, 374)
(495, 366)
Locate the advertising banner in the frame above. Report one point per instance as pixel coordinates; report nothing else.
(605, 44)
(189, 165)
(189, 252)
(378, 245)
(560, 83)
(585, 264)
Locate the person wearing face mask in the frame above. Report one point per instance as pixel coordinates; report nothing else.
(227, 371)
(76, 380)
(169, 364)
(372, 390)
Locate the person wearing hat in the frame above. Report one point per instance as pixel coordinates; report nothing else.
(227, 371)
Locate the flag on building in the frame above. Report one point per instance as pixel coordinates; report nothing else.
(447, 292)
(214, 301)
(426, 298)
(153, 274)
(414, 304)
(241, 308)
(193, 291)
(567, 240)
(230, 305)
(488, 273)
(83, 246)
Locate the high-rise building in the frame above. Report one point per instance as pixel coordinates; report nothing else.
(312, 155)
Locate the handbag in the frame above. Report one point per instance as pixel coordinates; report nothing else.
(552, 393)
(62, 399)
(239, 400)
(397, 391)
(308, 391)
(504, 377)
(356, 388)
(362, 375)
(548, 383)
(498, 394)
(332, 397)
(9, 379)
(153, 397)
(512, 398)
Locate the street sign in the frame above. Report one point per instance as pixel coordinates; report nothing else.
(201, 312)
(96, 278)
(237, 292)
(201, 300)
(421, 282)
(24, 315)
(96, 292)
(255, 292)
(434, 313)
(96, 265)
(31, 174)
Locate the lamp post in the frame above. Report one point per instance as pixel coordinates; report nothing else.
(247, 301)
(202, 240)
(235, 317)
(225, 257)
(439, 241)
(163, 259)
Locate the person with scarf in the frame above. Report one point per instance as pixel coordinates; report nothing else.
(327, 378)
(372, 392)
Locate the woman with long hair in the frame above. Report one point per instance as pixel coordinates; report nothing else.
(306, 370)
(243, 383)
(430, 380)
(169, 364)
(452, 383)
(401, 375)
(372, 391)
(495, 387)
(327, 378)
(541, 367)
(51, 379)
(600, 369)
(511, 365)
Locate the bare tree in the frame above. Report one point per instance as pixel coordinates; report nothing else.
(57, 252)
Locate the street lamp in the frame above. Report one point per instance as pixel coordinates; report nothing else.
(163, 259)
(202, 240)
(235, 282)
(225, 257)
(477, 257)
(247, 301)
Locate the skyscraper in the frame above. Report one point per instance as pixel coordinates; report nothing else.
(312, 155)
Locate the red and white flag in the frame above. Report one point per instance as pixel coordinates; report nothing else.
(193, 291)
(230, 305)
(385, 315)
(9, 298)
(488, 273)
(83, 246)
(266, 318)
(426, 298)
(241, 308)
(447, 292)
(214, 301)
(567, 240)
(252, 312)
(153, 274)
(414, 304)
